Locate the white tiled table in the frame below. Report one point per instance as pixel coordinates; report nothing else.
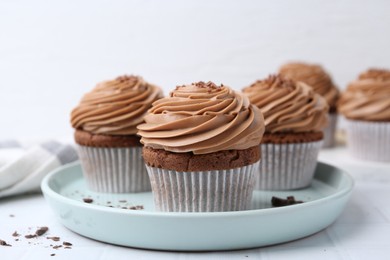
(361, 232)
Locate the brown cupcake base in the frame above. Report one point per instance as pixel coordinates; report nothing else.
(291, 138)
(99, 140)
(188, 162)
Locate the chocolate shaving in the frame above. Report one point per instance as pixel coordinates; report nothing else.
(279, 202)
(30, 236)
(15, 234)
(4, 243)
(123, 201)
(41, 231)
(11, 215)
(138, 207)
(67, 243)
(88, 200)
(54, 238)
(57, 246)
(52, 254)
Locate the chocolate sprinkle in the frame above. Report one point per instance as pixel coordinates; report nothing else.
(54, 238)
(138, 207)
(88, 200)
(52, 254)
(57, 246)
(41, 231)
(30, 236)
(3, 243)
(279, 202)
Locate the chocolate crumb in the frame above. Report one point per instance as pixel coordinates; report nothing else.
(41, 231)
(57, 246)
(88, 200)
(52, 254)
(67, 243)
(30, 236)
(279, 202)
(4, 243)
(17, 239)
(11, 215)
(15, 234)
(138, 207)
(54, 238)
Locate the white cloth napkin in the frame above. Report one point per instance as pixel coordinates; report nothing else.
(23, 168)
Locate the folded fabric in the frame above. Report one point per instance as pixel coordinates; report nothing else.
(22, 169)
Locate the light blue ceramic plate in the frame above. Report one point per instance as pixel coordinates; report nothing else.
(109, 219)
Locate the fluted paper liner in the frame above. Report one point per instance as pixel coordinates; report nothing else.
(330, 131)
(114, 170)
(369, 140)
(287, 166)
(203, 191)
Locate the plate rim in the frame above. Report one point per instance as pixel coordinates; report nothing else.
(47, 190)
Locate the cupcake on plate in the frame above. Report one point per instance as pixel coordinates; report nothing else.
(317, 78)
(106, 125)
(294, 117)
(201, 148)
(366, 106)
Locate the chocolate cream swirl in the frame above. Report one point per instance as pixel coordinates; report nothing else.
(314, 76)
(368, 97)
(115, 107)
(288, 106)
(202, 118)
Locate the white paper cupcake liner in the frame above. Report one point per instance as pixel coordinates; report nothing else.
(203, 191)
(114, 170)
(369, 140)
(287, 166)
(330, 131)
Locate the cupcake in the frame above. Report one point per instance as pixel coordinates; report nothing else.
(294, 117)
(201, 149)
(105, 125)
(317, 78)
(365, 104)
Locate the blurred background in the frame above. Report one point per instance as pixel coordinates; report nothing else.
(52, 52)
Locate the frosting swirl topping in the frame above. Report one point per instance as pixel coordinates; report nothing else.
(314, 76)
(368, 97)
(115, 107)
(202, 118)
(288, 106)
